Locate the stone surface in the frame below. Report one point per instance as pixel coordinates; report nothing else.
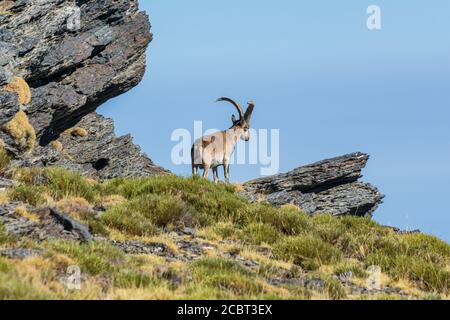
(72, 66)
(329, 186)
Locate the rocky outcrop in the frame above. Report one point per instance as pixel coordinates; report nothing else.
(330, 186)
(74, 55)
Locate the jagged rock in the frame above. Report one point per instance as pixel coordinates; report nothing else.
(75, 55)
(20, 253)
(9, 107)
(99, 154)
(329, 186)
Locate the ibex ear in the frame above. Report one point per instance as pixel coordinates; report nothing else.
(249, 111)
(233, 118)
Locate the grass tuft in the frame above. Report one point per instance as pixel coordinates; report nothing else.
(4, 160)
(307, 251)
(279, 239)
(78, 132)
(57, 145)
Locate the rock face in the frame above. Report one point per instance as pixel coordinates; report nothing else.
(330, 186)
(74, 55)
(99, 154)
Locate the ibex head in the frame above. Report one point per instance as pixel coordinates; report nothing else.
(243, 123)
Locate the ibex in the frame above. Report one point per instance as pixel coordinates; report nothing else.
(212, 151)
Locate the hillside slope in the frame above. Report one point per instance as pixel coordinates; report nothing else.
(173, 238)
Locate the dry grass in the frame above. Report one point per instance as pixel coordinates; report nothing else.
(21, 131)
(19, 85)
(22, 211)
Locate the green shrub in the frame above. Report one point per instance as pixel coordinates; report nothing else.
(307, 251)
(286, 221)
(4, 238)
(226, 230)
(30, 194)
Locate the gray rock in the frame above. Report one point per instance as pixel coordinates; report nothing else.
(72, 71)
(328, 186)
(100, 154)
(46, 227)
(71, 225)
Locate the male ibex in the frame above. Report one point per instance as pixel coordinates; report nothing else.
(212, 151)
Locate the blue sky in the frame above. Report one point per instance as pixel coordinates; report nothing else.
(320, 76)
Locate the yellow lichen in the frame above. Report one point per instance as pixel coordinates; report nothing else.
(78, 132)
(57, 145)
(19, 85)
(21, 131)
